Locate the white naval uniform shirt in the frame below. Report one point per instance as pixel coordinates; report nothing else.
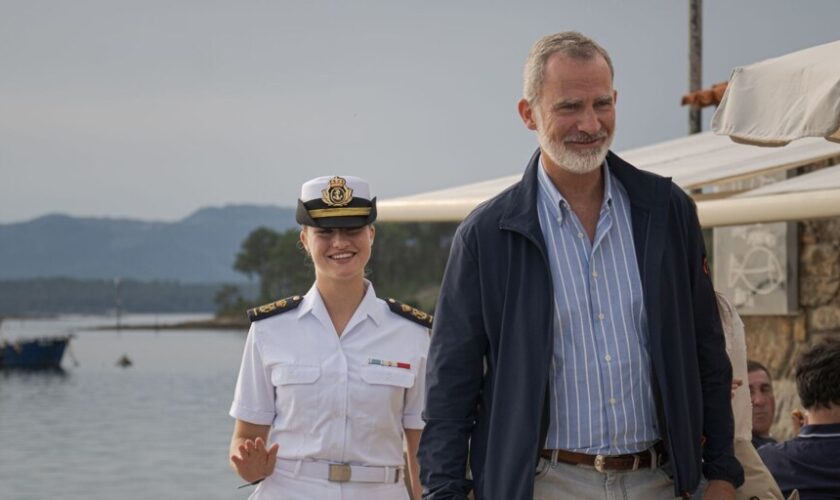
(324, 395)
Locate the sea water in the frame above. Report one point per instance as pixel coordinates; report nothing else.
(158, 429)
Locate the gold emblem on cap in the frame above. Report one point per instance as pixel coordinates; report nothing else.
(337, 194)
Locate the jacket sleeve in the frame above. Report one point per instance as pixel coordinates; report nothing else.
(719, 460)
(453, 377)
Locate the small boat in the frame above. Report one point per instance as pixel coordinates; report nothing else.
(43, 352)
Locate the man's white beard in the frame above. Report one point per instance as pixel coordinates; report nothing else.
(567, 159)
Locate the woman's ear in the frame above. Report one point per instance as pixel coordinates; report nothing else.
(303, 240)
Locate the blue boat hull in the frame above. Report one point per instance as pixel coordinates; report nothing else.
(33, 353)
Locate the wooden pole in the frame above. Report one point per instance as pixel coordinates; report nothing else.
(695, 60)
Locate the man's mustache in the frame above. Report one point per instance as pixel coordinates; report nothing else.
(583, 137)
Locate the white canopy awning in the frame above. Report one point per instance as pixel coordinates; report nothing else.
(824, 179)
(693, 162)
(776, 101)
(810, 196)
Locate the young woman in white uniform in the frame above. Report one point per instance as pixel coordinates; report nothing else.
(332, 382)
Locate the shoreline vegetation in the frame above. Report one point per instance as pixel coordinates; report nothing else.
(52, 297)
(407, 264)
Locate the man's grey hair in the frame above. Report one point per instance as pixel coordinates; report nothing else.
(569, 43)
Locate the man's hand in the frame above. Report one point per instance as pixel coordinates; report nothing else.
(718, 489)
(736, 383)
(254, 462)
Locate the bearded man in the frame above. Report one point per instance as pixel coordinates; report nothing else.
(577, 349)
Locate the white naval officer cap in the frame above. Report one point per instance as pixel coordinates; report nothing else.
(336, 201)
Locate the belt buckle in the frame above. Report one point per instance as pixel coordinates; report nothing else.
(599, 463)
(339, 473)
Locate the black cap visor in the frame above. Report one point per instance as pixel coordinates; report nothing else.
(359, 212)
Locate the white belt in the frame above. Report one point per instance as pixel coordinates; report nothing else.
(340, 473)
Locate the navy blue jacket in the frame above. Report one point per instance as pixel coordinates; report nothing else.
(488, 365)
(808, 463)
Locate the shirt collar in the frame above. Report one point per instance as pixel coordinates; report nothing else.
(311, 301)
(314, 304)
(556, 200)
(370, 305)
(608, 186)
(821, 430)
(549, 193)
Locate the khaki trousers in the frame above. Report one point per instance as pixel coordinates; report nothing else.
(559, 481)
(758, 483)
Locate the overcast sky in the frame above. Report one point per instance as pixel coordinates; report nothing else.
(153, 109)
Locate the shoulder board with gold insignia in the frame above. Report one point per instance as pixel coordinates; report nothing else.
(274, 308)
(411, 313)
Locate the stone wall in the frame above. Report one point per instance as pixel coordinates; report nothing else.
(776, 341)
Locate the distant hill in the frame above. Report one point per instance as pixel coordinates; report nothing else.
(198, 249)
(49, 296)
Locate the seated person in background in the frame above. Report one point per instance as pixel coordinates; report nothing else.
(763, 402)
(810, 462)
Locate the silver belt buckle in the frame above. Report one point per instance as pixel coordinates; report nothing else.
(339, 473)
(599, 463)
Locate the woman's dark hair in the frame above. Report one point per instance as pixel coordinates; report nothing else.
(818, 375)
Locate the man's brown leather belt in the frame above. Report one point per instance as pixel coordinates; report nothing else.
(650, 459)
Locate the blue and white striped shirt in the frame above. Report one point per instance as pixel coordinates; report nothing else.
(600, 393)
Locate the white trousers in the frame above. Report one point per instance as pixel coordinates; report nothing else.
(282, 485)
(559, 481)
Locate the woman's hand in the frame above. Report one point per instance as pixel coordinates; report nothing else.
(254, 462)
(248, 456)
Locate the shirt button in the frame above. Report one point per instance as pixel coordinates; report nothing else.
(608, 357)
(580, 236)
(601, 316)
(612, 401)
(594, 274)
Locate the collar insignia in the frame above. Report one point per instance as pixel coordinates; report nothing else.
(337, 194)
